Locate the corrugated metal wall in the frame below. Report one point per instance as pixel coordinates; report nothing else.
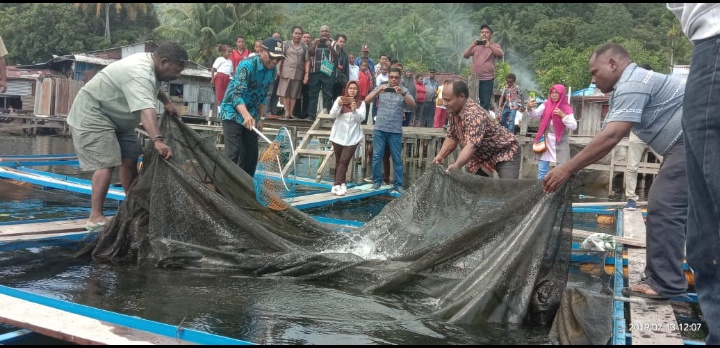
(55, 95)
(19, 87)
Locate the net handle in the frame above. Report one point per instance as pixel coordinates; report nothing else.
(262, 135)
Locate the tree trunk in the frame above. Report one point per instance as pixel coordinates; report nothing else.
(107, 21)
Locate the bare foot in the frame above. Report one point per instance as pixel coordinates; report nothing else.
(643, 288)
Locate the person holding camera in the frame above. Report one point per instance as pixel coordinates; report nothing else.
(346, 132)
(484, 52)
(322, 58)
(393, 99)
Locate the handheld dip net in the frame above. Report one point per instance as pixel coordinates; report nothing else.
(274, 178)
(474, 249)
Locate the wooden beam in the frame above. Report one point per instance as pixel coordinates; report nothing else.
(623, 240)
(71, 327)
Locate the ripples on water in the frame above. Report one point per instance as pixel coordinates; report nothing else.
(261, 310)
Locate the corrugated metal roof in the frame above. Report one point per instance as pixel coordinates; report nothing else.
(93, 60)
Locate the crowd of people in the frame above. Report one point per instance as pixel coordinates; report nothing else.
(679, 121)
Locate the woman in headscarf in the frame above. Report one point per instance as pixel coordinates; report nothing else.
(346, 133)
(408, 82)
(557, 121)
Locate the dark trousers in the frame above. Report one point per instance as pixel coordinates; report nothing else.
(241, 145)
(343, 155)
(701, 126)
(507, 169)
(301, 105)
(318, 82)
(485, 91)
(273, 98)
(666, 220)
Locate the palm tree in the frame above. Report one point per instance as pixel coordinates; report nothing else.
(505, 31)
(199, 27)
(132, 10)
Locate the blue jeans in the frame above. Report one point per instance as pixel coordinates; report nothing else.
(701, 127)
(485, 92)
(394, 141)
(508, 119)
(543, 169)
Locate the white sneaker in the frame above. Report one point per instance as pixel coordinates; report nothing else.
(335, 189)
(323, 111)
(342, 190)
(344, 187)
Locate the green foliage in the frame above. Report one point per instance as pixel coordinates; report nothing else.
(34, 32)
(200, 27)
(501, 71)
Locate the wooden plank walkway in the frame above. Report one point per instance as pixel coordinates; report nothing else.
(73, 328)
(654, 324)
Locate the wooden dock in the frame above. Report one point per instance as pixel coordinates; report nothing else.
(654, 324)
(74, 328)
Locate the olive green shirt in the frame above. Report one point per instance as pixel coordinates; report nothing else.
(114, 97)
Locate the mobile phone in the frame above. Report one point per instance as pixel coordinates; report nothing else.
(384, 83)
(480, 42)
(532, 95)
(347, 100)
(390, 89)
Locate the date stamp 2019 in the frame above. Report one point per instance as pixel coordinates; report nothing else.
(664, 327)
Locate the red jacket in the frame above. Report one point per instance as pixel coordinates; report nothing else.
(364, 84)
(420, 88)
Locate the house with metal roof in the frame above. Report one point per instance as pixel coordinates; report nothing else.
(192, 93)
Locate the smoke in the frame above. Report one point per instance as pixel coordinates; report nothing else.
(523, 71)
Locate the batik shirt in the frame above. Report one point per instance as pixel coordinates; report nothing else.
(493, 143)
(249, 87)
(512, 96)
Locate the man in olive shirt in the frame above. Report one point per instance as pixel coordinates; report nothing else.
(106, 111)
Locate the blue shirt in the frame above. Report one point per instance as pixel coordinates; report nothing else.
(371, 64)
(249, 87)
(653, 102)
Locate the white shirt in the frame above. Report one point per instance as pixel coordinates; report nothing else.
(380, 79)
(354, 72)
(223, 65)
(698, 20)
(346, 130)
(570, 125)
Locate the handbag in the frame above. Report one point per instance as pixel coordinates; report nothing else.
(541, 145)
(327, 67)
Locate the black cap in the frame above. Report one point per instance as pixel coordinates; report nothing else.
(486, 26)
(274, 47)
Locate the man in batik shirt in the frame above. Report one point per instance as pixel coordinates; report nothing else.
(486, 145)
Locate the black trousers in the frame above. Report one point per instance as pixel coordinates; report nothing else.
(241, 145)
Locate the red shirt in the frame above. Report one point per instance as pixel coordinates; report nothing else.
(236, 57)
(364, 84)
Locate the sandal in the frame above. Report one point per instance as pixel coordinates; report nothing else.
(94, 227)
(627, 292)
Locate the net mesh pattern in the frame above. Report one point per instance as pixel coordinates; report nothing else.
(485, 250)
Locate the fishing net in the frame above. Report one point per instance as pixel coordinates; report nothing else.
(474, 249)
(274, 177)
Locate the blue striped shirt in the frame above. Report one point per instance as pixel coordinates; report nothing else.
(249, 87)
(652, 102)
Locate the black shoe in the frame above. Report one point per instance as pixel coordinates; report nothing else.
(376, 186)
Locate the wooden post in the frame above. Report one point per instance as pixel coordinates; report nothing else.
(473, 83)
(612, 172)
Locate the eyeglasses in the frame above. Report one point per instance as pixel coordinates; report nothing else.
(394, 77)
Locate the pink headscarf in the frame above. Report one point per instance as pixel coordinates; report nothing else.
(548, 115)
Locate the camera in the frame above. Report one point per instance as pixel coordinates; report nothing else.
(480, 42)
(322, 43)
